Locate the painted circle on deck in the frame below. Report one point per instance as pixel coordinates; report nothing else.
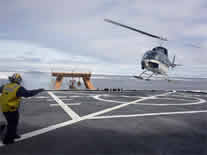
(197, 101)
(188, 100)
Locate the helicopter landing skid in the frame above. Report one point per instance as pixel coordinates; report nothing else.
(138, 77)
(148, 76)
(144, 76)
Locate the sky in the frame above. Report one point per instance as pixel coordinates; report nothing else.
(63, 35)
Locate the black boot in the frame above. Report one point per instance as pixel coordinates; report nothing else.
(8, 141)
(2, 127)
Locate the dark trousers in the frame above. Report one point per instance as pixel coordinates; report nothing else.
(12, 123)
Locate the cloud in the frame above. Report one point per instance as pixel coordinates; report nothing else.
(31, 57)
(73, 33)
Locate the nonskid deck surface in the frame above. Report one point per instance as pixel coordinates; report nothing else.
(100, 122)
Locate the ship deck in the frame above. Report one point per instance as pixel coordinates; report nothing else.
(144, 122)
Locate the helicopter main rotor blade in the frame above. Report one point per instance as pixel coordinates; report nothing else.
(133, 29)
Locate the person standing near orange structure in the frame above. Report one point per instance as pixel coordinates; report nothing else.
(10, 100)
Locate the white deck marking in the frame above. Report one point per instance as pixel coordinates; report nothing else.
(67, 109)
(61, 97)
(150, 114)
(177, 99)
(76, 96)
(45, 97)
(60, 125)
(68, 104)
(200, 101)
(39, 97)
(66, 99)
(131, 96)
(97, 97)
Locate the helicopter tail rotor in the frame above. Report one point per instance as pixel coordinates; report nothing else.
(173, 64)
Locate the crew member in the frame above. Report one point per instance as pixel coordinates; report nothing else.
(10, 100)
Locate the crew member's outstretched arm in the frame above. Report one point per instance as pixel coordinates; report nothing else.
(22, 92)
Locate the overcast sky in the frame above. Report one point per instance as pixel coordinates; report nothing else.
(70, 35)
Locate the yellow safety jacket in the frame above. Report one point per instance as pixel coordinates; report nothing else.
(8, 100)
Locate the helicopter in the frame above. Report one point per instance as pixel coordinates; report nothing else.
(155, 62)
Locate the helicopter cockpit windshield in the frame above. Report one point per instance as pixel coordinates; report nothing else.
(150, 55)
(161, 49)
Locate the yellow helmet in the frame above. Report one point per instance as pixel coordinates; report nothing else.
(15, 78)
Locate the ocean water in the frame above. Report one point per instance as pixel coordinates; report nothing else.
(33, 80)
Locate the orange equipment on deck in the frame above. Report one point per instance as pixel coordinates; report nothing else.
(85, 76)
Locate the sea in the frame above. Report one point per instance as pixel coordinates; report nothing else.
(36, 79)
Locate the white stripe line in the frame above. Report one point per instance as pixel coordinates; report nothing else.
(200, 101)
(181, 99)
(122, 105)
(97, 97)
(76, 96)
(67, 109)
(131, 96)
(45, 97)
(40, 97)
(62, 97)
(67, 99)
(55, 105)
(44, 130)
(60, 125)
(150, 114)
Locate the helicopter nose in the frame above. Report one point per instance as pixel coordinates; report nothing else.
(151, 64)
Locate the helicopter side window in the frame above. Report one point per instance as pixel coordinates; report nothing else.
(154, 49)
(163, 58)
(146, 55)
(157, 57)
(150, 55)
(165, 51)
(153, 55)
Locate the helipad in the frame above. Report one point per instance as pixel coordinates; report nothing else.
(101, 122)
